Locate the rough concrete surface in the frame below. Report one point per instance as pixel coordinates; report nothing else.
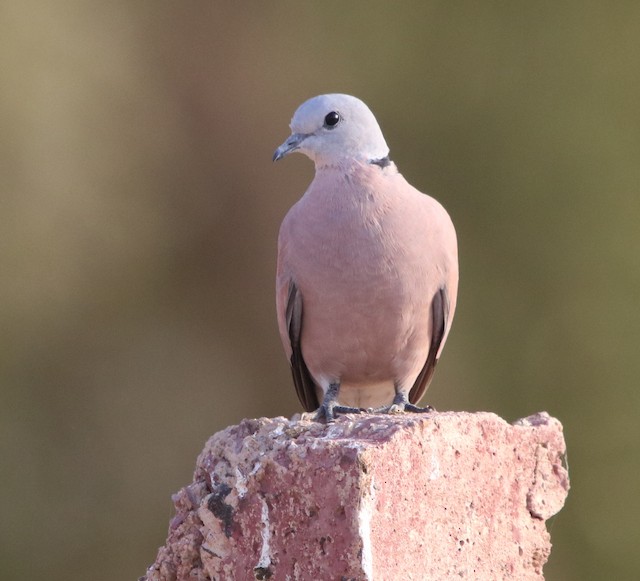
(384, 497)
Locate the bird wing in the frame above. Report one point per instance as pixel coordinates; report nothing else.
(439, 317)
(305, 386)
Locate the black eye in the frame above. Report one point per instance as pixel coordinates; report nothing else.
(331, 120)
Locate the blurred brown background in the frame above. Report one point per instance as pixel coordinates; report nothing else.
(138, 225)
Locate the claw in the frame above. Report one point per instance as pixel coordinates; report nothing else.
(330, 408)
(327, 414)
(401, 404)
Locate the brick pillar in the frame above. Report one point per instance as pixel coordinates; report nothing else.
(372, 497)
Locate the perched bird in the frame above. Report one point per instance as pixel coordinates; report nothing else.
(367, 274)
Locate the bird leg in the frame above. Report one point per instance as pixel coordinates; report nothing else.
(329, 409)
(402, 404)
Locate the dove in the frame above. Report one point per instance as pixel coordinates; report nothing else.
(367, 269)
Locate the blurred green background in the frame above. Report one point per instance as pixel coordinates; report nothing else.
(138, 225)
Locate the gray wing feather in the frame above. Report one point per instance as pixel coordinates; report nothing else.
(305, 386)
(440, 316)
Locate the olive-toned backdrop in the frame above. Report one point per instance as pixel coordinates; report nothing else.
(139, 213)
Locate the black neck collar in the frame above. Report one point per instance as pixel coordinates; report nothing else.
(382, 162)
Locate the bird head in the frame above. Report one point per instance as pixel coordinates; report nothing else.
(334, 129)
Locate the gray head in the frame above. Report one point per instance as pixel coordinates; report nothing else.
(334, 128)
